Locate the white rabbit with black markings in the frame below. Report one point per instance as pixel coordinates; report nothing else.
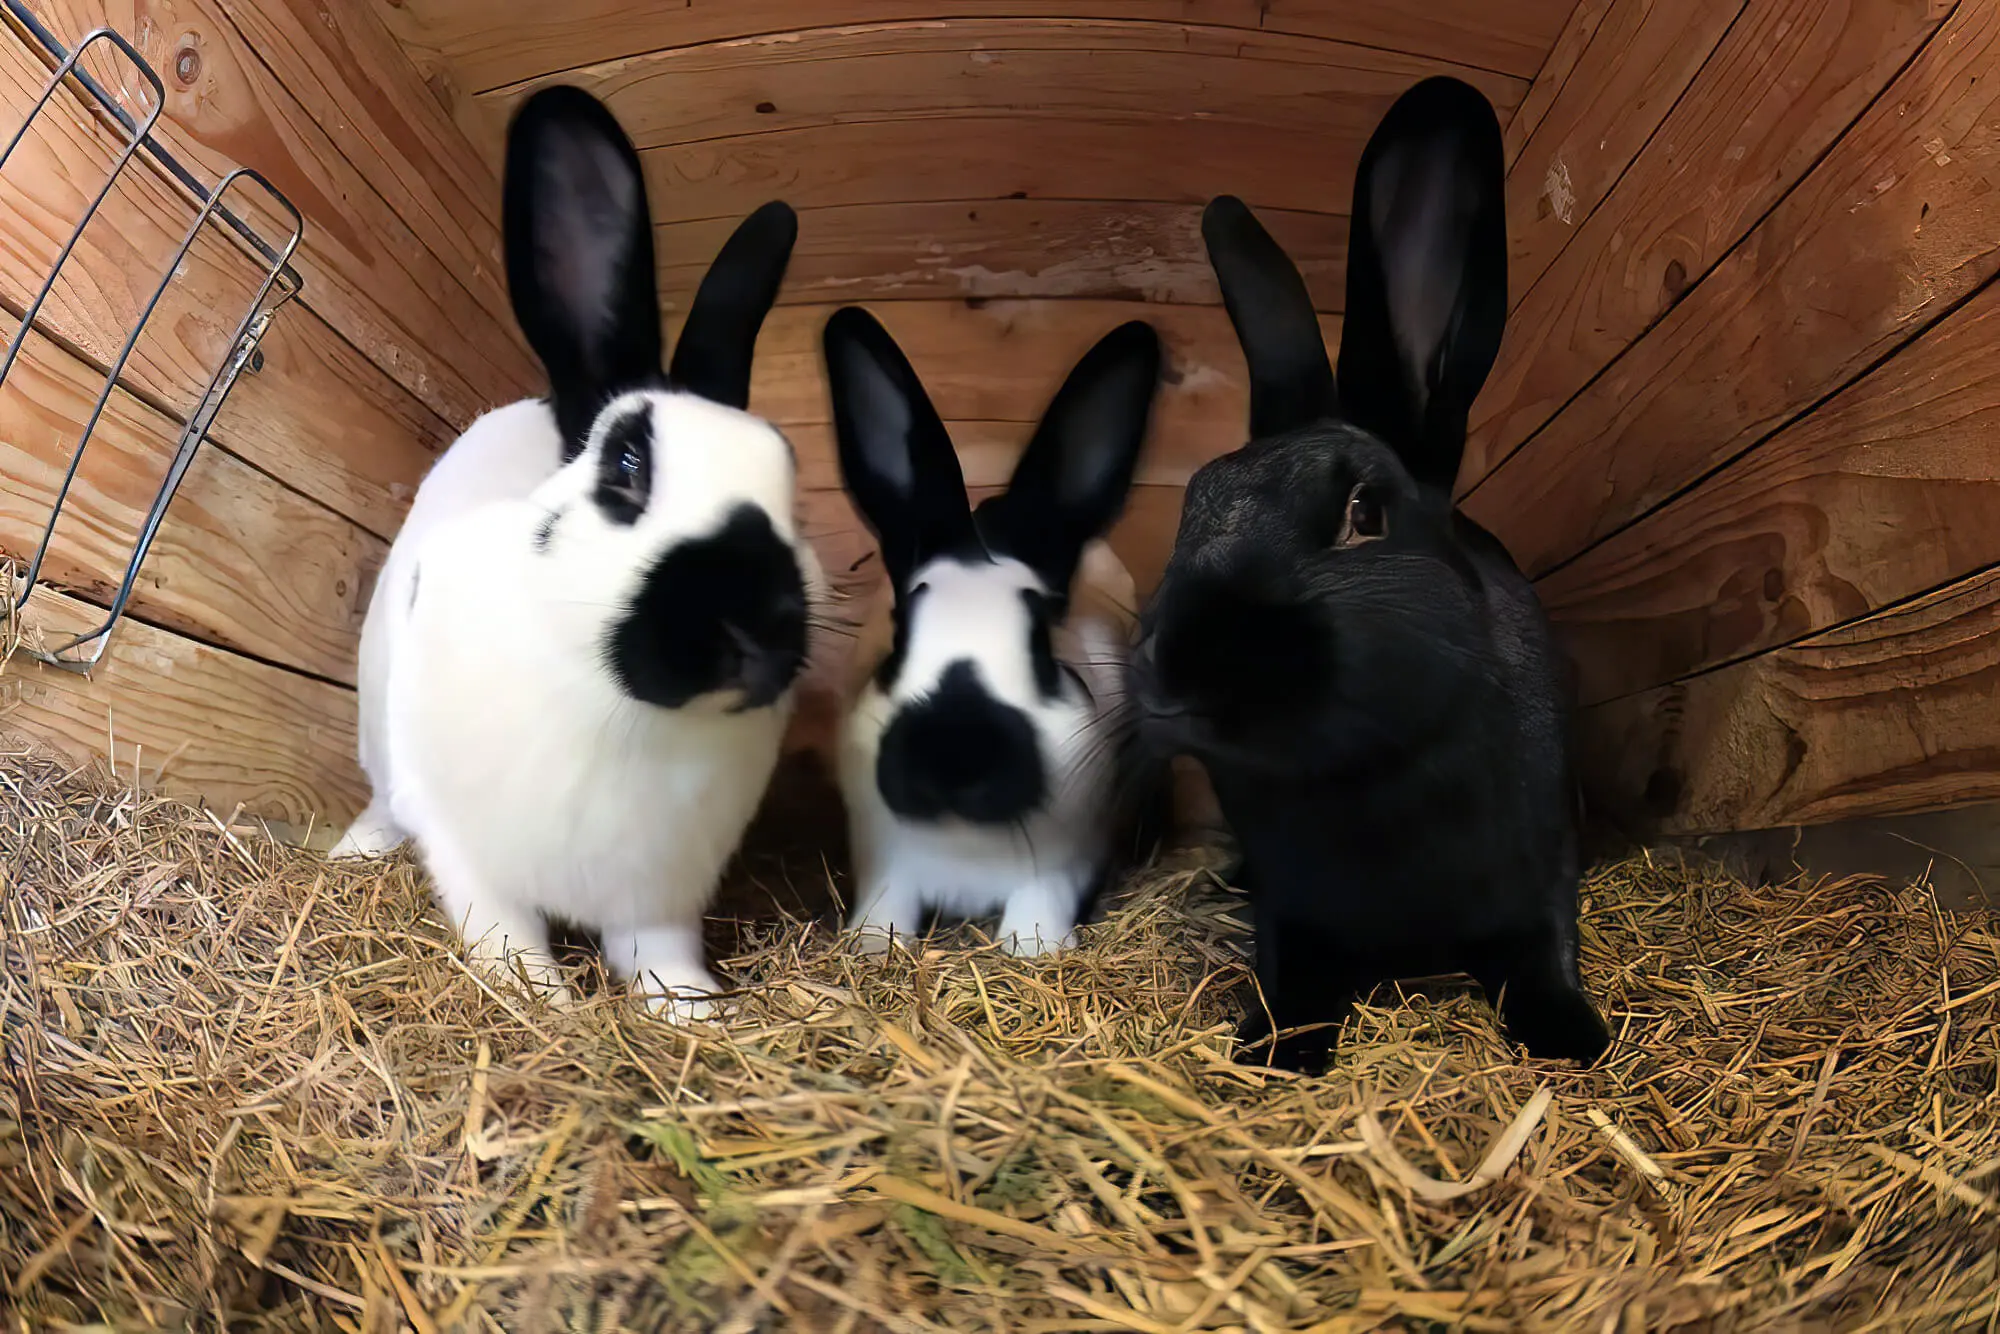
(977, 757)
(508, 452)
(589, 684)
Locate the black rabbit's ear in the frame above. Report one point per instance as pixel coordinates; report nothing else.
(1291, 380)
(1072, 481)
(895, 456)
(1426, 274)
(579, 242)
(719, 340)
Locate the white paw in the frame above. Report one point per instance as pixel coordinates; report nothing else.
(373, 834)
(532, 969)
(682, 996)
(870, 939)
(545, 981)
(682, 1009)
(1035, 941)
(359, 844)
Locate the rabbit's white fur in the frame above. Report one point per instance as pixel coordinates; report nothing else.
(504, 455)
(1039, 873)
(532, 782)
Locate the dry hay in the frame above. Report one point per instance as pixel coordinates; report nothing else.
(247, 1090)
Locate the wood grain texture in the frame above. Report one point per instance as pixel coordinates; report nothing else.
(347, 72)
(1641, 59)
(492, 43)
(1553, 75)
(437, 325)
(1880, 239)
(1888, 490)
(1007, 249)
(1269, 87)
(316, 415)
(1786, 82)
(239, 560)
(978, 158)
(1887, 715)
(199, 723)
(991, 368)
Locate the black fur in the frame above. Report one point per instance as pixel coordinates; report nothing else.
(727, 611)
(1384, 720)
(1044, 612)
(625, 468)
(899, 466)
(580, 269)
(959, 752)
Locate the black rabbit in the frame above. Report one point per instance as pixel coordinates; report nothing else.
(1365, 673)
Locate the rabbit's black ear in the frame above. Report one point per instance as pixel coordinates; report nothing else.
(895, 456)
(1072, 481)
(719, 340)
(579, 242)
(1426, 274)
(1291, 380)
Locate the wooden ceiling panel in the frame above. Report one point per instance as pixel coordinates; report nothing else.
(991, 158)
(1005, 248)
(997, 149)
(1265, 86)
(490, 44)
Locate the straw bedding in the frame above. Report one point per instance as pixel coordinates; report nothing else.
(246, 1089)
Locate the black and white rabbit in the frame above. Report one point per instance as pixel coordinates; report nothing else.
(976, 758)
(585, 677)
(1364, 672)
(508, 452)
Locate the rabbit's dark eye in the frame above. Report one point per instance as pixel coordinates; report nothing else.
(625, 469)
(1366, 520)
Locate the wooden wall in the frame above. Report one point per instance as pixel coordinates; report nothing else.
(1740, 429)
(231, 677)
(1743, 429)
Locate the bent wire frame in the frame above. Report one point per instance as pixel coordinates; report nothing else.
(280, 283)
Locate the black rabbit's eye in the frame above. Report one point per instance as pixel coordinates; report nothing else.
(1366, 521)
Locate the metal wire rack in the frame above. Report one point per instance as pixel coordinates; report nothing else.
(279, 284)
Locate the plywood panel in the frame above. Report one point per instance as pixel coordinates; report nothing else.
(429, 315)
(1007, 249)
(1786, 83)
(1894, 226)
(1639, 63)
(239, 560)
(1553, 77)
(978, 158)
(1888, 490)
(992, 367)
(316, 414)
(1890, 714)
(1267, 86)
(204, 724)
(491, 43)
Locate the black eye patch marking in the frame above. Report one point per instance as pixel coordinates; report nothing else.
(1042, 613)
(625, 468)
(900, 617)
